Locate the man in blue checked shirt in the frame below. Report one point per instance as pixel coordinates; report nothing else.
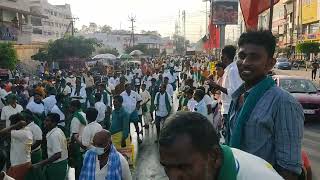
(263, 119)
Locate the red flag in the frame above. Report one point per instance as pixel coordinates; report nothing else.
(251, 10)
(214, 37)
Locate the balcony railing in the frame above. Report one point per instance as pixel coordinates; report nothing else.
(8, 31)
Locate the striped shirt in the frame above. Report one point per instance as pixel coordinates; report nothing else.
(274, 130)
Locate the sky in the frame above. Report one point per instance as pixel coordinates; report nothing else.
(151, 15)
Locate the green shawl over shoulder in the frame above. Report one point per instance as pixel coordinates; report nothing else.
(228, 170)
(250, 102)
(80, 117)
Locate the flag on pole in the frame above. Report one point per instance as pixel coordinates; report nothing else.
(251, 10)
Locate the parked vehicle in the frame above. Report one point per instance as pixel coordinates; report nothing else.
(283, 63)
(304, 91)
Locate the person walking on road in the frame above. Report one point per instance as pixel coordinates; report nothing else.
(190, 150)
(264, 120)
(315, 67)
(163, 104)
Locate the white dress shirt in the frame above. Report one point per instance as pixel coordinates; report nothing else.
(36, 133)
(35, 107)
(56, 109)
(57, 142)
(130, 102)
(21, 142)
(162, 110)
(88, 133)
(8, 111)
(231, 81)
(101, 173)
(48, 103)
(169, 90)
(82, 93)
(101, 108)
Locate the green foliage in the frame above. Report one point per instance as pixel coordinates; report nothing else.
(163, 53)
(106, 29)
(72, 46)
(308, 47)
(42, 55)
(108, 51)
(152, 52)
(8, 56)
(141, 47)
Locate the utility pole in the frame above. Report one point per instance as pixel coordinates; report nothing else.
(184, 23)
(71, 25)
(271, 14)
(133, 20)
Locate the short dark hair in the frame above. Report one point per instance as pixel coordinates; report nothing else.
(91, 114)
(199, 92)
(229, 51)
(221, 65)
(76, 104)
(14, 119)
(262, 38)
(98, 96)
(118, 98)
(54, 117)
(201, 132)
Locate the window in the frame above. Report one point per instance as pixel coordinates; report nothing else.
(37, 31)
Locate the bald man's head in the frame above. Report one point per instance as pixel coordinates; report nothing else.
(102, 139)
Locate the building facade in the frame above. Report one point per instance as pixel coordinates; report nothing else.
(57, 23)
(120, 41)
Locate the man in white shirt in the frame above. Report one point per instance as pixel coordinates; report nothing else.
(57, 162)
(113, 82)
(50, 101)
(101, 108)
(88, 78)
(36, 153)
(131, 104)
(145, 95)
(79, 92)
(103, 161)
(91, 129)
(163, 104)
(169, 88)
(11, 109)
(36, 105)
(20, 150)
(78, 123)
(184, 143)
(231, 80)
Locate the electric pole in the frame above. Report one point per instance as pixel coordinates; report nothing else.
(184, 23)
(71, 25)
(133, 20)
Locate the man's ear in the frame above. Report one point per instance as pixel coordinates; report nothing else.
(271, 62)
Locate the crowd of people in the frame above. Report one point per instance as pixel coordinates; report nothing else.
(73, 119)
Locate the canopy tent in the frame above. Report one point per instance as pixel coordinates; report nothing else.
(125, 57)
(105, 56)
(136, 53)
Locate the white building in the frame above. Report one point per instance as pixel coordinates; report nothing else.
(121, 41)
(15, 20)
(56, 24)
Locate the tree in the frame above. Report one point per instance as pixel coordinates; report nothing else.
(8, 56)
(42, 55)
(113, 51)
(71, 46)
(308, 48)
(141, 47)
(105, 29)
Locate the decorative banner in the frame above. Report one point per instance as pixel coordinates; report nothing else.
(225, 12)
